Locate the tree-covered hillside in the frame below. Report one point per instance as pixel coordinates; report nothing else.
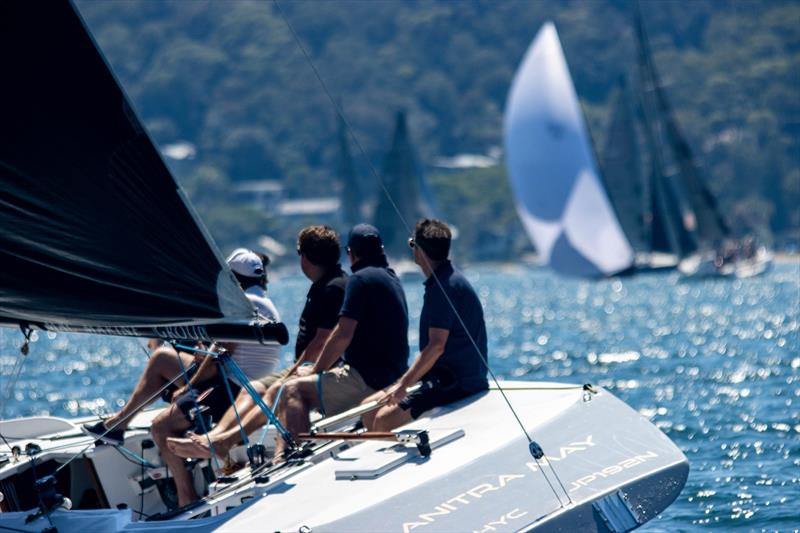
(229, 78)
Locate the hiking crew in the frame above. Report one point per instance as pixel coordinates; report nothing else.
(319, 251)
(452, 337)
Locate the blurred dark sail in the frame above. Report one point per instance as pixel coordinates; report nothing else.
(700, 216)
(348, 180)
(94, 232)
(403, 179)
(621, 167)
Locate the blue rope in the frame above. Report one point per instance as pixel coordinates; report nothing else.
(237, 372)
(275, 407)
(245, 440)
(193, 396)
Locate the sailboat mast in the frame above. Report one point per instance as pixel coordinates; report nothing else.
(665, 204)
(705, 221)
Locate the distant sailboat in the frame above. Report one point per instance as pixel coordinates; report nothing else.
(554, 175)
(405, 183)
(699, 235)
(351, 195)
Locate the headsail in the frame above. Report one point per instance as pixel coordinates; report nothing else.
(553, 172)
(94, 231)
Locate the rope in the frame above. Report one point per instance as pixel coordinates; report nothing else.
(193, 396)
(136, 410)
(275, 407)
(405, 223)
(245, 440)
(16, 372)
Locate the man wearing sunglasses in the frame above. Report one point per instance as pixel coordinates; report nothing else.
(452, 337)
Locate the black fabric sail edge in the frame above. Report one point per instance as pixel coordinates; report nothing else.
(94, 232)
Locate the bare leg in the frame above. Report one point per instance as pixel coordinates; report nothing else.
(244, 403)
(162, 367)
(368, 419)
(225, 439)
(300, 396)
(171, 423)
(389, 417)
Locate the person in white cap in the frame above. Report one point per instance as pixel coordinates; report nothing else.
(165, 363)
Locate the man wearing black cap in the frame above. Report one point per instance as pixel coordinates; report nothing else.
(371, 337)
(452, 337)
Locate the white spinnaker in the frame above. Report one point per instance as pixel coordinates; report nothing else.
(553, 172)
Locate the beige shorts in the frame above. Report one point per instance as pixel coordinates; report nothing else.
(269, 379)
(340, 389)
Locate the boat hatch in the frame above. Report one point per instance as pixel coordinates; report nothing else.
(617, 513)
(371, 460)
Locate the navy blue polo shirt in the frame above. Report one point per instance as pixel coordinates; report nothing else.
(375, 298)
(460, 364)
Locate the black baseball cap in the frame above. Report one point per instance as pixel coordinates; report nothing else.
(365, 240)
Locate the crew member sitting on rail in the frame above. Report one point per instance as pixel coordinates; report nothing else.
(371, 337)
(452, 362)
(319, 251)
(256, 360)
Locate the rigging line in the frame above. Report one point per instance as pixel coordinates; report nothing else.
(245, 440)
(341, 116)
(135, 411)
(16, 372)
(193, 396)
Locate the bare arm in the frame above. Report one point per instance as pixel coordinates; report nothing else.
(437, 338)
(312, 351)
(336, 344)
(206, 369)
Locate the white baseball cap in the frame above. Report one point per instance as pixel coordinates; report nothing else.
(246, 263)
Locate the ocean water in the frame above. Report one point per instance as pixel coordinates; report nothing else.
(714, 363)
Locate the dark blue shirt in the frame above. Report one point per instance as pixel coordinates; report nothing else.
(379, 348)
(460, 364)
(323, 303)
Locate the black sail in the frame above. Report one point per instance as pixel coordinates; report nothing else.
(403, 179)
(702, 218)
(622, 169)
(94, 231)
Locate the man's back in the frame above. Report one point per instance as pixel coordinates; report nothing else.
(460, 360)
(379, 348)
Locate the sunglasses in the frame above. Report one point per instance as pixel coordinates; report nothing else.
(411, 243)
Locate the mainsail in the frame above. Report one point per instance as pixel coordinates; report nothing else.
(407, 192)
(348, 180)
(95, 235)
(621, 168)
(701, 218)
(554, 175)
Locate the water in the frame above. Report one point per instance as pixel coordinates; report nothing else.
(713, 363)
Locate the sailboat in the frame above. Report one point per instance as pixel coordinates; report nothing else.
(645, 208)
(96, 236)
(703, 240)
(559, 193)
(404, 180)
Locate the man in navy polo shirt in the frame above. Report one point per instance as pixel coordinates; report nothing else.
(452, 337)
(371, 337)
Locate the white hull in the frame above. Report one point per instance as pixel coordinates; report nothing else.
(480, 474)
(703, 265)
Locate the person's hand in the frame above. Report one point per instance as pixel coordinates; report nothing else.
(305, 370)
(180, 391)
(394, 394)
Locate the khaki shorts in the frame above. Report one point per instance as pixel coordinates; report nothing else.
(340, 389)
(269, 379)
